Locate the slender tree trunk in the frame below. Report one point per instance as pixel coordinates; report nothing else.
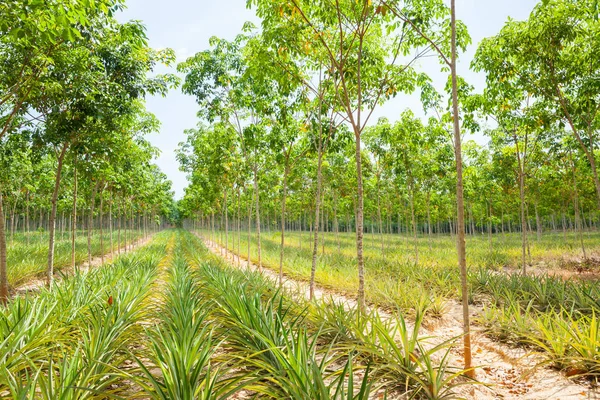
(3, 266)
(226, 224)
(110, 225)
(119, 222)
(52, 220)
(429, 219)
(523, 220)
(538, 222)
(239, 225)
(101, 226)
(359, 224)
(335, 217)
(283, 199)
(27, 223)
(12, 220)
(74, 218)
(315, 247)
(462, 259)
(257, 206)
(380, 221)
(414, 224)
(249, 229)
(91, 223)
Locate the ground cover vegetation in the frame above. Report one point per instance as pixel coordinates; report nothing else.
(401, 219)
(72, 84)
(286, 154)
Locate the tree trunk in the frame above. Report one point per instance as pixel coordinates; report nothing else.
(379, 221)
(283, 199)
(257, 206)
(315, 247)
(249, 229)
(523, 219)
(27, 218)
(359, 224)
(101, 227)
(3, 266)
(226, 224)
(74, 217)
(462, 259)
(414, 224)
(110, 225)
(538, 222)
(52, 220)
(429, 219)
(239, 225)
(91, 224)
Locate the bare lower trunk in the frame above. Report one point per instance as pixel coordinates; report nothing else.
(52, 219)
(101, 227)
(461, 247)
(239, 226)
(414, 225)
(429, 220)
(283, 199)
(523, 222)
(27, 219)
(359, 225)
(315, 247)
(74, 217)
(380, 222)
(538, 222)
(226, 224)
(110, 226)
(249, 229)
(3, 266)
(91, 224)
(257, 206)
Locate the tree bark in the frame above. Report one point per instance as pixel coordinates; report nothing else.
(3, 266)
(52, 220)
(461, 246)
(91, 224)
(315, 247)
(283, 199)
(74, 217)
(257, 206)
(359, 224)
(101, 225)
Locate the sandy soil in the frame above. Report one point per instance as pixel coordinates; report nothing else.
(504, 372)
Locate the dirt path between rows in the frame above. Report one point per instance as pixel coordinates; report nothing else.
(36, 284)
(505, 372)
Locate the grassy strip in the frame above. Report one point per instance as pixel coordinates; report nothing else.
(26, 261)
(543, 312)
(70, 341)
(278, 346)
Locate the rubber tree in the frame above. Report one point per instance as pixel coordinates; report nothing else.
(92, 84)
(552, 56)
(364, 66)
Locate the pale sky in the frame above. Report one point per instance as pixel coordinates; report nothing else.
(187, 25)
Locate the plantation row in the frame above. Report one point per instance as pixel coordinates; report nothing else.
(28, 254)
(542, 313)
(73, 121)
(169, 321)
(287, 141)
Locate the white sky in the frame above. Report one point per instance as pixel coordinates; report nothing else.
(187, 25)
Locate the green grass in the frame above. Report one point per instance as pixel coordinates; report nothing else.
(29, 260)
(70, 341)
(542, 312)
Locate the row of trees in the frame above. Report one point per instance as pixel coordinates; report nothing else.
(302, 88)
(288, 131)
(73, 120)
